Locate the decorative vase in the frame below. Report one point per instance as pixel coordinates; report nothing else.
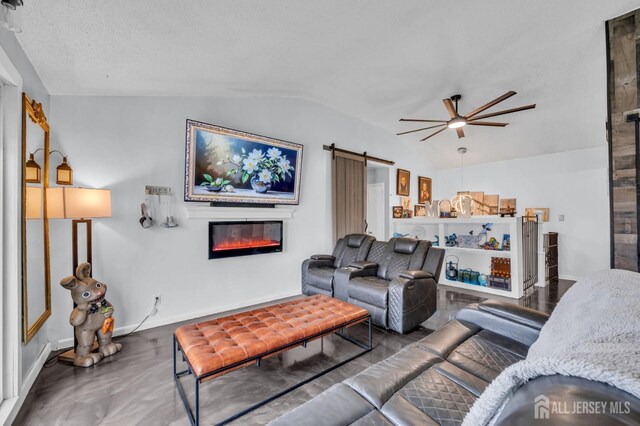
(259, 186)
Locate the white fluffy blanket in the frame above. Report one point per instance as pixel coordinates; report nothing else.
(593, 333)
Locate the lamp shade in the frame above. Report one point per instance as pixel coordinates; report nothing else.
(33, 202)
(78, 203)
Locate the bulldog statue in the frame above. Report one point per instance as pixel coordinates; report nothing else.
(93, 315)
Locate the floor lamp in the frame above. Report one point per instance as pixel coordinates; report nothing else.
(80, 205)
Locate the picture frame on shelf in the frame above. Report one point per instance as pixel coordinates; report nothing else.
(403, 182)
(397, 212)
(507, 207)
(424, 190)
(537, 211)
(491, 204)
(407, 214)
(478, 203)
(506, 242)
(419, 210)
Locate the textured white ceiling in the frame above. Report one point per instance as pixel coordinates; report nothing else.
(377, 60)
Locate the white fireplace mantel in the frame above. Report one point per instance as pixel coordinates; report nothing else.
(204, 211)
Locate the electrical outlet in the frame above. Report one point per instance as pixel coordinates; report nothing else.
(156, 301)
(561, 218)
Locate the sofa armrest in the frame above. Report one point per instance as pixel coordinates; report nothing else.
(323, 257)
(500, 324)
(414, 275)
(516, 313)
(316, 263)
(342, 276)
(310, 264)
(411, 300)
(363, 264)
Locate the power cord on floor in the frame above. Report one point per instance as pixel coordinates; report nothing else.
(52, 359)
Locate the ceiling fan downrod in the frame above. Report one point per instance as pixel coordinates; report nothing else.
(456, 98)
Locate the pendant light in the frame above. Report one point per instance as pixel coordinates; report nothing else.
(462, 200)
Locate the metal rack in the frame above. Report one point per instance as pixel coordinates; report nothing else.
(551, 257)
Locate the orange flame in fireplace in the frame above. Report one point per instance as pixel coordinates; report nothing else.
(244, 244)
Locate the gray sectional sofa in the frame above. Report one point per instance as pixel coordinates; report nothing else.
(436, 380)
(395, 280)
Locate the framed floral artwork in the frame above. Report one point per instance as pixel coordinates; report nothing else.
(230, 166)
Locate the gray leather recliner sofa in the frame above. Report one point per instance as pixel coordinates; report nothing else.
(397, 283)
(318, 270)
(395, 280)
(436, 380)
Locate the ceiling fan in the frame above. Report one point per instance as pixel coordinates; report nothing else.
(458, 121)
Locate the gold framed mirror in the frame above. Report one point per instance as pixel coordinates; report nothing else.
(36, 279)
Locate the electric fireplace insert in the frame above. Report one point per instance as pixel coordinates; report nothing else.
(243, 238)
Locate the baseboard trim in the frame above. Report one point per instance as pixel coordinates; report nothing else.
(9, 408)
(569, 277)
(119, 331)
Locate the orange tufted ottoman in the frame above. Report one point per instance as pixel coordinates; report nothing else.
(215, 347)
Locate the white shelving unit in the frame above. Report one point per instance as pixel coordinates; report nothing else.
(476, 259)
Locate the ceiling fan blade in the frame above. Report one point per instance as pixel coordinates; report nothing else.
(423, 121)
(433, 134)
(460, 132)
(490, 104)
(486, 123)
(448, 103)
(506, 111)
(419, 130)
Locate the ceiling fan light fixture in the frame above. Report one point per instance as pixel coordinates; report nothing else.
(457, 122)
(12, 4)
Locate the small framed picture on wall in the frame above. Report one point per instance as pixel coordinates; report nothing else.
(397, 212)
(419, 210)
(424, 190)
(406, 203)
(403, 180)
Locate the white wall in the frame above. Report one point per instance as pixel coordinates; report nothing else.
(32, 85)
(123, 143)
(573, 183)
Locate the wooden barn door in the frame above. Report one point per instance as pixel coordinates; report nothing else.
(349, 176)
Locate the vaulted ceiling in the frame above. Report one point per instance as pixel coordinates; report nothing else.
(376, 60)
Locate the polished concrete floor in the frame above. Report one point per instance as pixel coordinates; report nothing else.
(135, 387)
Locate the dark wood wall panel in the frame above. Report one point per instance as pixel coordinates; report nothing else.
(623, 54)
(349, 195)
